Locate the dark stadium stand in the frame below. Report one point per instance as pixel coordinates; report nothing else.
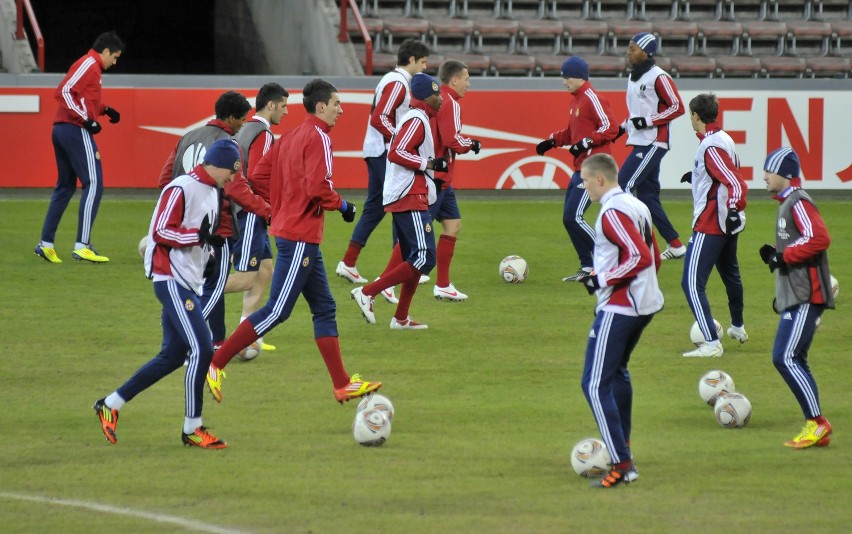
(697, 38)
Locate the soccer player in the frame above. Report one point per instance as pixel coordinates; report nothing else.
(799, 260)
(652, 102)
(591, 129)
(178, 249)
(628, 295)
(77, 155)
(252, 252)
(231, 111)
(390, 103)
(301, 191)
(409, 190)
(719, 198)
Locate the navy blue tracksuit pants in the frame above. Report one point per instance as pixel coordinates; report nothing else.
(640, 176)
(581, 233)
(374, 210)
(790, 355)
(77, 156)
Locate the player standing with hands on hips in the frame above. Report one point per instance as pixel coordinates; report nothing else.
(301, 192)
(719, 198)
(628, 296)
(77, 155)
(179, 237)
(799, 260)
(591, 129)
(652, 102)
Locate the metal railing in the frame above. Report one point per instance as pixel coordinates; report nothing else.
(19, 33)
(343, 36)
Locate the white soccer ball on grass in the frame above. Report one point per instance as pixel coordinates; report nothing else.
(713, 384)
(590, 458)
(251, 352)
(377, 402)
(733, 410)
(371, 427)
(514, 269)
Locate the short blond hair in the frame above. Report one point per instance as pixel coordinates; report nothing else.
(602, 164)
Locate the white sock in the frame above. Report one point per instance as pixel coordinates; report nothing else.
(714, 343)
(190, 424)
(79, 245)
(114, 401)
(46, 244)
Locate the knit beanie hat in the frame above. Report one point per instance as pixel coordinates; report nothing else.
(575, 67)
(784, 162)
(223, 154)
(646, 42)
(423, 86)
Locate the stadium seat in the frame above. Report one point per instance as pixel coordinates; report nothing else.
(403, 27)
(624, 30)
(445, 29)
(549, 65)
(537, 8)
(693, 66)
(606, 9)
(762, 31)
(835, 67)
(705, 10)
(433, 63)
(728, 33)
(488, 28)
(799, 30)
(841, 31)
(729, 66)
(678, 35)
(585, 29)
(382, 63)
(656, 10)
(512, 64)
(375, 28)
(783, 66)
(476, 64)
(537, 29)
(606, 65)
(663, 62)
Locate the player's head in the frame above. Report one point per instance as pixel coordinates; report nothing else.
(222, 160)
(271, 102)
(454, 74)
(321, 98)
(412, 56)
(427, 89)
(781, 167)
(575, 72)
(232, 108)
(641, 47)
(109, 45)
(600, 174)
(703, 110)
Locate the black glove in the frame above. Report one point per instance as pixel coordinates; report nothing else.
(475, 146)
(621, 131)
(439, 184)
(206, 237)
(92, 126)
(544, 146)
(210, 267)
(348, 210)
(590, 282)
(440, 165)
(639, 123)
(581, 146)
(686, 178)
(114, 116)
(732, 221)
(771, 257)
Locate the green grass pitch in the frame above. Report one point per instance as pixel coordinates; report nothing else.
(488, 402)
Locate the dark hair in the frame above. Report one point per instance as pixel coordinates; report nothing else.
(232, 104)
(317, 90)
(108, 40)
(409, 48)
(449, 69)
(270, 92)
(706, 106)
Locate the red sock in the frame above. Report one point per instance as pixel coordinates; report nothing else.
(406, 294)
(394, 261)
(674, 243)
(329, 347)
(352, 253)
(398, 275)
(446, 247)
(623, 466)
(820, 420)
(242, 337)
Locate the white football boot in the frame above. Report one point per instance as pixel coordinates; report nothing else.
(706, 350)
(350, 273)
(449, 293)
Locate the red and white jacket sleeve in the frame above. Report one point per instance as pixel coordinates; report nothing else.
(383, 117)
(814, 238)
(318, 170)
(403, 151)
(240, 192)
(633, 254)
(260, 171)
(669, 96)
(168, 225)
(449, 128)
(721, 167)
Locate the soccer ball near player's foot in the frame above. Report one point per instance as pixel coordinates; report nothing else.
(713, 384)
(249, 353)
(590, 459)
(698, 338)
(514, 269)
(377, 402)
(371, 427)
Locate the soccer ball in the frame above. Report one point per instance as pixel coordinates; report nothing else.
(371, 427)
(698, 338)
(513, 269)
(589, 458)
(713, 384)
(251, 352)
(732, 410)
(377, 402)
(143, 244)
(835, 286)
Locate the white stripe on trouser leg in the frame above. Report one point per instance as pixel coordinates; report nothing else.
(194, 348)
(219, 288)
(286, 289)
(245, 247)
(420, 238)
(631, 183)
(601, 339)
(94, 186)
(578, 216)
(792, 366)
(692, 282)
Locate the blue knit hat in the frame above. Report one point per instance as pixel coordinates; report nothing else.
(784, 162)
(575, 67)
(423, 86)
(223, 154)
(646, 42)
